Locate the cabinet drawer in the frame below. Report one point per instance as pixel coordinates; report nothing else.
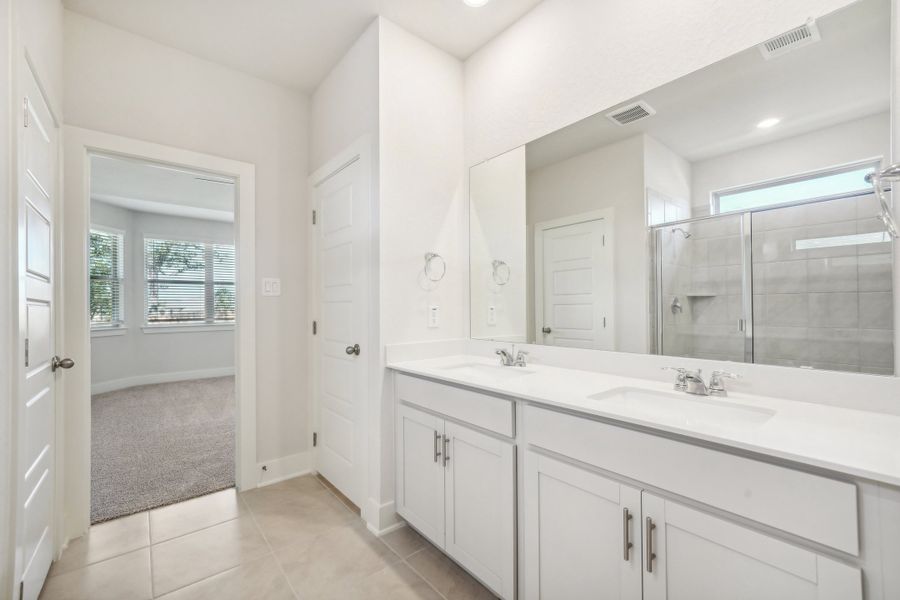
(488, 412)
(810, 506)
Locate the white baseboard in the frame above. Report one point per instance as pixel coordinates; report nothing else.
(381, 518)
(286, 467)
(120, 384)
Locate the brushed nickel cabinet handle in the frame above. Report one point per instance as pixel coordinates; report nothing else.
(437, 451)
(446, 450)
(651, 556)
(626, 534)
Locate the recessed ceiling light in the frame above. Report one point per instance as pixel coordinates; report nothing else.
(475, 3)
(770, 122)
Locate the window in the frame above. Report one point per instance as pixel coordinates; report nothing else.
(107, 274)
(188, 282)
(836, 182)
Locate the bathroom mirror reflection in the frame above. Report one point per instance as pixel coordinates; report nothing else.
(725, 215)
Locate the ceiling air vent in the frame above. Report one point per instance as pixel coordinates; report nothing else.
(786, 42)
(630, 113)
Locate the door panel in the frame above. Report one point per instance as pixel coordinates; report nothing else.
(420, 472)
(701, 557)
(37, 400)
(480, 493)
(577, 286)
(576, 532)
(342, 236)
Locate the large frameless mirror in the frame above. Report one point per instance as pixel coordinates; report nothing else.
(728, 214)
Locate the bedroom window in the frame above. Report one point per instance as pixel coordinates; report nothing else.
(107, 276)
(188, 282)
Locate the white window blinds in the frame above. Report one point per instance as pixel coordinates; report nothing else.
(107, 272)
(188, 282)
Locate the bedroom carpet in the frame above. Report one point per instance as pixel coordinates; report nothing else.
(154, 445)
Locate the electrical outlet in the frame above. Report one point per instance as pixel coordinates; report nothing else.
(492, 315)
(271, 286)
(434, 316)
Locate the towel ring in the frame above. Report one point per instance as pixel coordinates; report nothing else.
(435, 267)
(500, 272)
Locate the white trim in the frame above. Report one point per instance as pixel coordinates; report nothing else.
(107, 331)
(382, 518)
(79, 144)
(286, 467)
(606, 214)
(187, 328)
(126, 382)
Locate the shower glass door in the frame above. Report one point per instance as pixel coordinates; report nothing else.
(703, 289)
(822, 288)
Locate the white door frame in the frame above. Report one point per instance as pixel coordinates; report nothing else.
(608, 215)
(360, 151)
(78, 144)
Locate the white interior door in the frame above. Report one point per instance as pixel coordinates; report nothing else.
(701, 557)
(342, 228)
(576, 285)
(36, 397)
(582, 534)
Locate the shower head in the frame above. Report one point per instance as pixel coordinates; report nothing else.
(682, 231)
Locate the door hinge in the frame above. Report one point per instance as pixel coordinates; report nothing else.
(22, 590)
(25, 107)
(604, 322)
(314, 217)
(26, 353)
(604, 240)
(315, 327)
(315, 439)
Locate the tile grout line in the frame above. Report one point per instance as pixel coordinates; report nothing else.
(271, 549)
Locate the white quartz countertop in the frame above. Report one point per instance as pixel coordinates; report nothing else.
(855, 442)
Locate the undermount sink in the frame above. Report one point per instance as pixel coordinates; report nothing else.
(492, 371)
(683, 409)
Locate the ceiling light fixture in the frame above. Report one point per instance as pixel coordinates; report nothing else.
(770, 122)
(475, 3)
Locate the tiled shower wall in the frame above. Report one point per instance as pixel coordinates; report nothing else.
(828, 308)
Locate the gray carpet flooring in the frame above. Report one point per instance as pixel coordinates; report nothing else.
(154, 445)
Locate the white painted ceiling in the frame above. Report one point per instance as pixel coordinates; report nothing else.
(296, 42)
(161, 189)
(715, 110)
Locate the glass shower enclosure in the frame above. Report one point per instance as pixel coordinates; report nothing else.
(806, 285)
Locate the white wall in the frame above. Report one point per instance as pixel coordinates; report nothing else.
(497, 231)
(847, 142)
(569, 59)
(138, 357)
(610, 176)
(124, 84)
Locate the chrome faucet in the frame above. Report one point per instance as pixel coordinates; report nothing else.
(507, 360)
(692, 382)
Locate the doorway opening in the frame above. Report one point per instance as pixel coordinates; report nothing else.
(162, 300)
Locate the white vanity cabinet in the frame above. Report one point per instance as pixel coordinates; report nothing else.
(456, 485)
(582, 533)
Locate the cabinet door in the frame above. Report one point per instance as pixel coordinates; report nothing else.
(420, 472)
(481, 506)
(582, 534)
(701, 557)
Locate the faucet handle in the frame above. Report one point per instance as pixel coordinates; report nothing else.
(680, 379)
(717, 382)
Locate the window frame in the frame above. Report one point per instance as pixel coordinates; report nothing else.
(205, 325)
(716, 195)
(117, 327)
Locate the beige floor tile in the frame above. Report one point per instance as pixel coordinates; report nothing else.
(104, 541)
(404, 541)
(193, 515)
(190, 558)
(315, 564)
(298, 515)
(260, 579)
(395, 582)
(292, 490)
(446, 576)
(125, 577)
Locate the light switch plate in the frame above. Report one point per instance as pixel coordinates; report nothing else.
(492, 315)
(434, 316)
(271, 286)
